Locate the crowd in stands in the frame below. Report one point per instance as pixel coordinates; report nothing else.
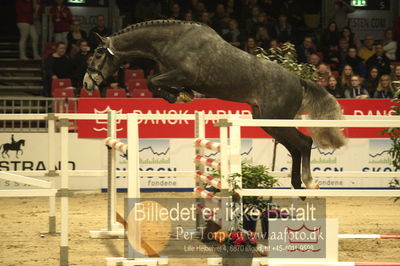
(348, 66)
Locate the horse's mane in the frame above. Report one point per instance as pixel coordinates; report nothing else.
(161, 22)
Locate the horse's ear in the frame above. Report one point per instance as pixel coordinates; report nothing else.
(100, 38)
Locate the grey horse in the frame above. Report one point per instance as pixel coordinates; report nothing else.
(194, 56)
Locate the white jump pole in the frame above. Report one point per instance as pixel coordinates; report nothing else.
(51, 171)
(111, 176)
(64, 192)
(199, 132)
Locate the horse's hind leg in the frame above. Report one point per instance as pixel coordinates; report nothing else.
(299, 147)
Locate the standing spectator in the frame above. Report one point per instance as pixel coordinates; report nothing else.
(100, 29)
(339, 14)
(250, 46)
(372, 80)
(62, 19)
(252, 22)
(282, 30)
(175, 11)
(262, 37)
(350, 37)
(385, 89)
(233, 36)
(345, 78)
(57, 65)
(330, 36)
(355, 62)
(380, 60)
(334, 88)
(25, 14)
(305, 50)
(356, 91)
(368, 49)
(389, 45)
(74, 36)
(218, 18)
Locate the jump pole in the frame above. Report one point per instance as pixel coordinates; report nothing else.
(64, 192)
(51, 172)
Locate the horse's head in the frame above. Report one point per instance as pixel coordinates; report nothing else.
(104, 64)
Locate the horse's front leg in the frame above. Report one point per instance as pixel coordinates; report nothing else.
(16, 154)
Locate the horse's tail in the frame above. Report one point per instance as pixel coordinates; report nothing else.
(322, 105)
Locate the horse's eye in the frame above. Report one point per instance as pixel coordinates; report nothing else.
(97, 55)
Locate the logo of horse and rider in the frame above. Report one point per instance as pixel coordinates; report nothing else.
(13, 146)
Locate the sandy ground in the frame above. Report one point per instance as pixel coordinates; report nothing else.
(21, 220)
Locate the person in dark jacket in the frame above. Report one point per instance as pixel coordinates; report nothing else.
(380, 60)
(100, 29)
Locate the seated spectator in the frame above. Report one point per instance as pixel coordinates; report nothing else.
(218, 18)
(100, 29)
(175, 11)
(345, 78)
(62, 19)
(356, 91)
(233, 36)
(250, 46)
(323, 82)
(324, 71)
(205, 19)
(380, 60)
(350, 37)
(385, 89)
(273, 43)
(305, 50)
(282, 30)
(198, 9)
(57, 66)
(332, 57)
(252, 21)
(396, 73)
(368, 49)
(262, 37)
(74, 36)
(330, 36)
(355, 62)
(343, 48)
(314, 60)
(79, 64)
(372, 80)
(334, 88)
(390, 45)
(188, 16)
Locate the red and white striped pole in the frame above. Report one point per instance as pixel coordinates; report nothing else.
(215, 182)
(208, 144)
(116, 144)
(198, 159)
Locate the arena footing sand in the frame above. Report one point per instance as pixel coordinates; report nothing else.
(22, 220)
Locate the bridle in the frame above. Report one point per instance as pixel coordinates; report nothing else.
(92, 70)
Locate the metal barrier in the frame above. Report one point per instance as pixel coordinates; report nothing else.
(35, 105)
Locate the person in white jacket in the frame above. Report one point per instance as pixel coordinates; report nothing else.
(390, 45)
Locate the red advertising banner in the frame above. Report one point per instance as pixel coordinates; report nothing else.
(185, 129)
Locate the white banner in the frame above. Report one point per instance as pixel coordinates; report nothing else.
(372, 22)
(30, 152)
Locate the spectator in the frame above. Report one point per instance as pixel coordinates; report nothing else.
(339, 14)
(282, 30)
(74, 36)
(56, 66)
(294, 12)
(100, 29)
(79, 63)
(343, 47)
(396, 73)
(380, 60)
(372, 80)
(271, 7)
(350, 37)
(332, 57)
(323, 82)
(324, 71)
(334, 88)
(314, 60)
(330, 36)
(262, 37)
(368, 49)
(188, 16)
(175, 11)
(305, 50)
(355, 62)
(385, 89)
(233, 36)
(390, 45)
(145, 10)
(62, 19)
(273, 43)
(218, 18)
(356, 91)
(198, 9)
(345, 78)
(250, 46)
(252, 22)
(205, 19)
(25, 14)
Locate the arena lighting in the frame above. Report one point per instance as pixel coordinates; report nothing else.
(77, 1)
(359, 2)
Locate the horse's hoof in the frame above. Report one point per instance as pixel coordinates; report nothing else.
(313, 186)
(184, 98)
